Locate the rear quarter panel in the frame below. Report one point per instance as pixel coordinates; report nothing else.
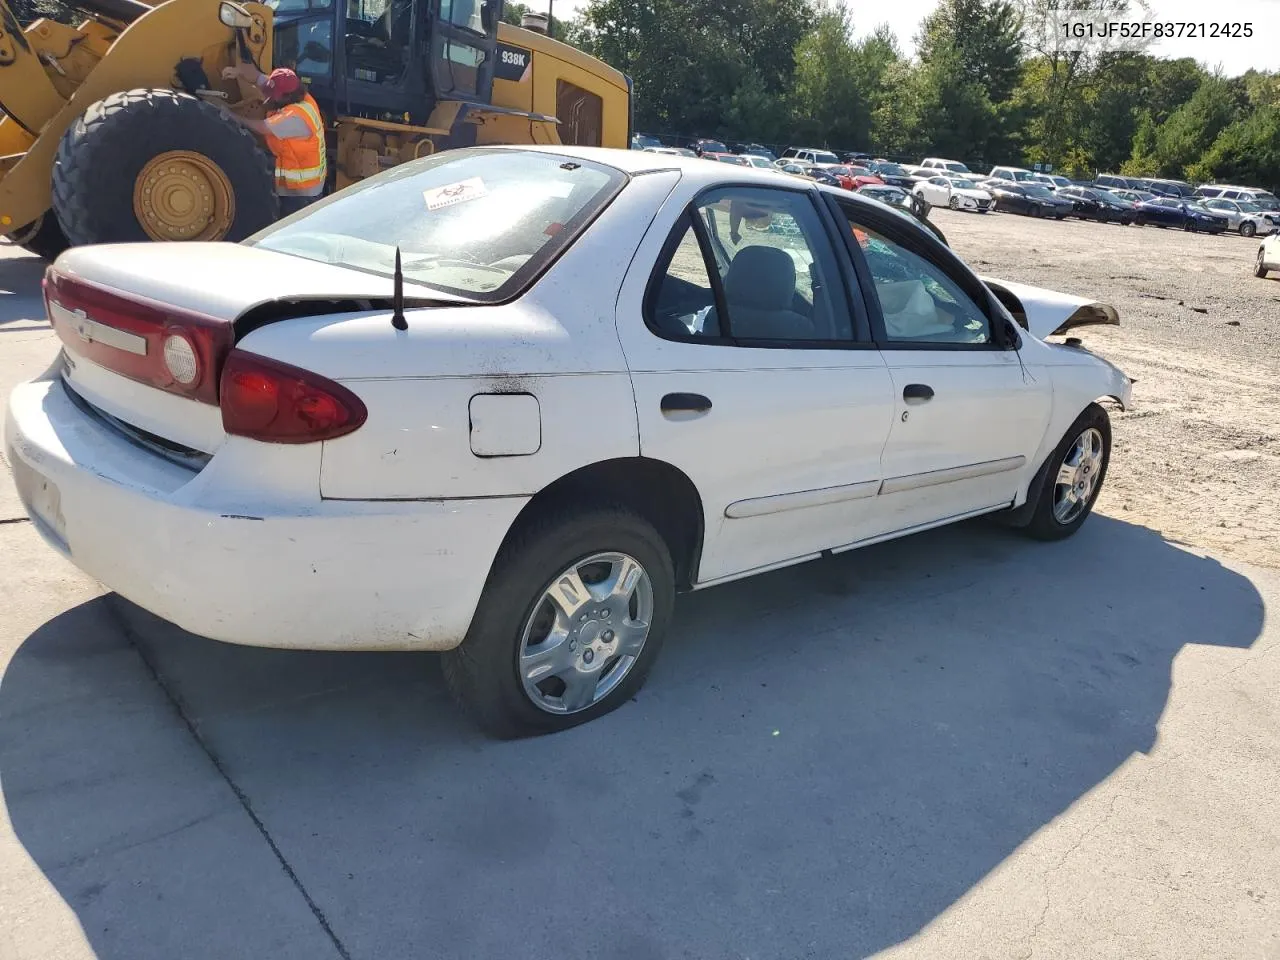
(558, 344)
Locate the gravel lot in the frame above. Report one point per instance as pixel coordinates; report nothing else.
(1198, 456)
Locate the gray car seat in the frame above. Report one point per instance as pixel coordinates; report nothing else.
(759, 291)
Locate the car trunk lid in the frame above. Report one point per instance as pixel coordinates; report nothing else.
(146, 328)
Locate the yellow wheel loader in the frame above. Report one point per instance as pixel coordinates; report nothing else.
(116, 129)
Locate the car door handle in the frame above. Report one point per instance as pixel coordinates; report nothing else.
(917, 393)
(685, 403)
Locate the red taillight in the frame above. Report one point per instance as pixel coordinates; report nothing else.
(153, 343)
(273, 402)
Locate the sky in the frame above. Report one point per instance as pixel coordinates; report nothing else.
(1234, 56)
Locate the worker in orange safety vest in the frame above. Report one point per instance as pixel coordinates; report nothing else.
(294, 132)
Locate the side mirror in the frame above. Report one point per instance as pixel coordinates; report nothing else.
(486, 16)
(235, 16)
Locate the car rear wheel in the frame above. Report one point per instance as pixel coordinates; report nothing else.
(1260, 265)
(1247, 229)
(1073, 477)
(1189, 226)
(570, 621)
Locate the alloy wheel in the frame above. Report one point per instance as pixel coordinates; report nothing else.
(1078, 476)
(586, 632)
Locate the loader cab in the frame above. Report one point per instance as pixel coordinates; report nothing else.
(389, 59)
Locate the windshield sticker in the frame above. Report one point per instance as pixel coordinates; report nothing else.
(452, 193)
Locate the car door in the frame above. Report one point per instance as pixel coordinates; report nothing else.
(969, 415)
(754, 373)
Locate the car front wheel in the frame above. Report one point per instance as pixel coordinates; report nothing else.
(569, 623)
(1260, 265)
(1073, 478)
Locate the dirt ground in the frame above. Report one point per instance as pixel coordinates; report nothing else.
(1198, 456)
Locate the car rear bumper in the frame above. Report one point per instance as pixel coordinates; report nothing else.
(320, 574)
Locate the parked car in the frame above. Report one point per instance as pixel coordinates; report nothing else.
(1176, 212)
(1048, 182)
(671, 151)
(641, 140)
(808, 155)
(1135, 196)
(757, 150)
(1244, 217)
(891, 173)
(1032, 199)
(940, 165)
(756, 160)
(1012, 174)
(954, 192)
(353, 467)
(1172, 188)
(1268, 255)
(1263, 198)
(1091, 203)
(854, 156)
(733, 158)
(821, 173)
(1111, 180)
(852, 177)
(701, 147)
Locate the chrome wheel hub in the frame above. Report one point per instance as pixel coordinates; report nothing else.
(585, 633)
(1078, 475)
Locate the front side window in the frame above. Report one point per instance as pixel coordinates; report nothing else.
(475, 223)
(770, 258)
(305, 47)
(919, 301)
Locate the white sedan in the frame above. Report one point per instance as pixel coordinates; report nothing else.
(609, 376)
(954, 192)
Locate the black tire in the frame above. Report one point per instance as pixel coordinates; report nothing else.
(1043, 525)
(954, 203)
(1260, 265)
(43, 237)
(102, 153)
(482, 673)
(1247, 229)
(1189, 226)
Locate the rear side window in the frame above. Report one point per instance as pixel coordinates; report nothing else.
(755, 267)
(480, 224)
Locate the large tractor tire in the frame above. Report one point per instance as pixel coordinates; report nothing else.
(161, 165)
(43, 237)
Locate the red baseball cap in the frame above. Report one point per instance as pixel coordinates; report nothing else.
(281, 83)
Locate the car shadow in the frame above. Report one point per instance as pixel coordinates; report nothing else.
(21, 274)
(824, 759)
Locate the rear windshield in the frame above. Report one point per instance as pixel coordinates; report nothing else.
(822, 156)
(477, 223)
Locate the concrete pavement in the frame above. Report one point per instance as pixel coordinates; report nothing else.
(958, 745)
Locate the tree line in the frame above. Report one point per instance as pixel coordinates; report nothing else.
(990, 83)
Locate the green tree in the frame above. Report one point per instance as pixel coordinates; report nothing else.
(1192, 128)
(970, 55)
(689, 61)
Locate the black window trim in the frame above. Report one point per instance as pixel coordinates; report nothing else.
(940, 256)
(690, 217)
